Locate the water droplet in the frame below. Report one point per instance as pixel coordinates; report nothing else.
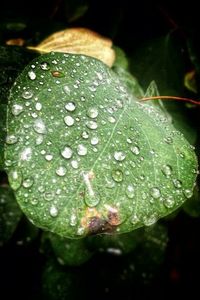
(39, 126)
(26, 154)
(85, 135)
(38, 106)
(91, 125)
(177, 183)
(15, 179)
(32, 75)
(91, 196)
(74, 164)
(119, 155)
(73, 219)
(168, 140)
(188, 193)
(53, 211)
(66, 89)
(148, 221)
(167, 170)
(39, 140)
(57, 74)
(34, 201)
(81, 150)
(155, 192)
(17, 109)
(69, 121)
(27, 94)
(169, 202)
(48, 157)
(135, 150)
(44, 66)
(92, 112)
(61, 171)
(134, 219)
(111, 119)
(48, 196)
(117, 175)
(94, 140)
(11, 139)
(28, 182)
(70, 106)
(67, 152)
(130, 191)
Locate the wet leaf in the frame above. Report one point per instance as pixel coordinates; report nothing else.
(2, 133)
(85, 156)
(79, 41)
(10, 214)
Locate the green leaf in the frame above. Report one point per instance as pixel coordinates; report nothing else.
(121, 60)
(10, 214)
(87, 157)
(69, 251)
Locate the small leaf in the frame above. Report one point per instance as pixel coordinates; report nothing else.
(85, 156)
(79, 41)
(10, 214)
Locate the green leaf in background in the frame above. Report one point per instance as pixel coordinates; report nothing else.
(10, 214)
(121, 60)
(85, 157)
(69, 251)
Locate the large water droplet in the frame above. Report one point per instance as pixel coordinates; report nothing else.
(70, 106)
(167, 170)
(119, 155)
(117, 175)
(91, 124)
(135, 150)
(27, 94)
(94, 140)
(69, 121)
(17, 109)
(67, 152)
(130, 191)
(32, 75)
(81, 150)
(39, 126)
(15, 179)
(169, 202)
(61, 171)
(28, 182)
(155, 192)
(53, 211)
(11, 139)
(92, 112)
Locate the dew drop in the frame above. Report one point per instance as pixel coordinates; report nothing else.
(61, 171)
(135, 150)
(92, 125)
(74, 164)
(34, 201)
(94, 140)
(130, 191)
(73, 219)
(45, 66)
(15, 179)
(188, 193)
(119, 155)
(92, 112)
(48, 196)
(81, 150)
(134, 220)
(69, 121)
(117, 175)
(39, 126)
(70, 106)
(155, 192)
(177, 183)
(66, 89)
(169, 202)
(28, 182)
(11, 139)
(39, 140)
(48, 157)
(38, 106)
(168, 140)
(85, 135)
(167, 170)
(32, 75)
(111, 119)
(148, 221)
(67, 152)
(17, 109)
(26, 154)
(27, 94)
(53, 211)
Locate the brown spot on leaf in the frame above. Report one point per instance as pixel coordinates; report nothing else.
(98, 225)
